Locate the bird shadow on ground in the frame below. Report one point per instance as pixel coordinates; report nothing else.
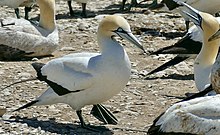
(92, 14)
(157, 33)
(26, 58)
(173, 76)
(127, 6)
(60, 128)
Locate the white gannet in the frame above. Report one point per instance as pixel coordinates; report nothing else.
(18, 3)
(208, 6)
(187, 47)
(82, 79)
(200, 115)
(21, 38)
(83, 2)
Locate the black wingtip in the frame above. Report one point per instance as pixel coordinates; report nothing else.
(37, 67)
(26, 105)
(155, 130)
(171, 4)
(172, 62)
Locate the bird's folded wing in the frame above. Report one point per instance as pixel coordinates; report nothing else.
(70, 73)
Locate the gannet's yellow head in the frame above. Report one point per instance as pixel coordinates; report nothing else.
(111, 23)
(208, 23)
(114, 25)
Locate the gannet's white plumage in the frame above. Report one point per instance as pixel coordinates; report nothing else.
(21, 38)
(89, 78)
(197, 116)
(201, 115)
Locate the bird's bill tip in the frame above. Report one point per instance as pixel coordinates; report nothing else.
(215, 36)
(132, 39)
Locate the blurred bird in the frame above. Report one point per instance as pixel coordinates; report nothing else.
(132, 4)
(82, 79)
(18, 3)
(20, 38)
(208, 6)
(83, 2)
(200, 115)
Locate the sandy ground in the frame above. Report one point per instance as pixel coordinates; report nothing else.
(143, 99)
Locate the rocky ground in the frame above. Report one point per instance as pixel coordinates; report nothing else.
(143, 99)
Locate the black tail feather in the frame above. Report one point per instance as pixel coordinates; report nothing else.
(103, 114)
(27, 105)
(172, 62)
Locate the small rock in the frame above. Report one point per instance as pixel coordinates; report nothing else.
(2, 111)
(67, 49)
(35, 59)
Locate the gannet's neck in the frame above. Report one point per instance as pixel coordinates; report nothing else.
(47, 14)
(208, 53)
(109, 46)
(204, 62)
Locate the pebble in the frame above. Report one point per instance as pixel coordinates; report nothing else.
(67, 49)
(2, 111)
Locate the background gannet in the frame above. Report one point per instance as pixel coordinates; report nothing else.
(18, 3)
(208, 6)
(20, 38)
(200, 115)
(89, 78)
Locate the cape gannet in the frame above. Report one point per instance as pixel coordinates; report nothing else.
(200, 115)
(208, 6)
(20, 38)
(82, 79)
(18, 3)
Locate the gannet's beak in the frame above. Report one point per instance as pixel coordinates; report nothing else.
(130, 37)
(215, 36)
(192, 14)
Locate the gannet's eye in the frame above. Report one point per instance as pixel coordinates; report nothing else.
(120, 30)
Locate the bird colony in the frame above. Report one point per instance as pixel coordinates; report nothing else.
(109, 67)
